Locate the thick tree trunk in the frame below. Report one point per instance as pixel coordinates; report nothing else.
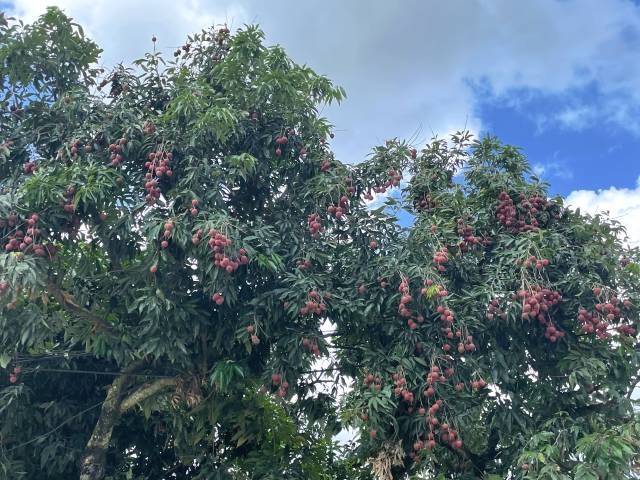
(94, 459)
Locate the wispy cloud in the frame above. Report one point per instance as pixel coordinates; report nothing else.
(553, 167)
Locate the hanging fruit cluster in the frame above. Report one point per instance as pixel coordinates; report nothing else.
(372, 381)
(29, 167)
(217, 298)
(605, 313)
(115, 150)
(536, 304)
(196, 238)
(311, 345)
(469, 240)
(67, 199)
(13, 376)
(74, 146)
(25, 241)
(325, 166)
(405, 299)
(277, 381)
(251, 331)
(303, 264)
(194, 207)
(166, 235)
(287, 139)
(523, 218)
(158, 165)
(339, 210)
(440, 258)
(424, 202)
(218, 242)
(314, 305)
(537, 263)
(493, 310)
(315, 227)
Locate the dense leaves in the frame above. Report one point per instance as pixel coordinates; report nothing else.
(192, 286)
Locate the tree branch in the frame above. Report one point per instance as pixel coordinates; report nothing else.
(145, 391)
(94, 458)
(68, 302)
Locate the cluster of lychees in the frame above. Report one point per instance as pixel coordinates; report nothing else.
(537, 263)
(424, 202)
(314, 305)
(315, 227)
(348, 181)
(467, 346)
(13, 376)
(217, 298)
(74, 146)
(276, 380)
(280, 141)
(440, 292)
(158, 165)
(196, 238)
(606, 312)
(185, 48)
(30, 167)
(193, 211)
(372, 381)
(440, 258)
(405, 300)
(166, 234)
(23, 241)
(524, 217)
(218, 243)
(339, 210)
(115, 150)
(311, 345)
(393, 180)
(325, 166)
(251, 331)
(469, 240)
(493, 310)
(67, 199)
(400, 389)
(536, 303)
(303, 264)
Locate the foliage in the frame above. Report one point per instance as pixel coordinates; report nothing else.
(190, 282)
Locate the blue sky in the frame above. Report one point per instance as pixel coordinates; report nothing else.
(591, 156)
(560, 79)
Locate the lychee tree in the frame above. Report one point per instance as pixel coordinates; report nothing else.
(188, 276)
(497, 339)
(159, 228)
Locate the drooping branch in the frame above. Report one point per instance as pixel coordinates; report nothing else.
(68, 302)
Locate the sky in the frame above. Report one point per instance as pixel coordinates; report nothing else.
(558, 78)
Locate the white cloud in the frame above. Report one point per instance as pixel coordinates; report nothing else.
(623, 204)
(426, 65)
(123, 28)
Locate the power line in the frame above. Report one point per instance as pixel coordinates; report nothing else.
(44, 435)
(96, 372)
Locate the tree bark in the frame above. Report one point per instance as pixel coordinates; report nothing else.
(94, 459)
